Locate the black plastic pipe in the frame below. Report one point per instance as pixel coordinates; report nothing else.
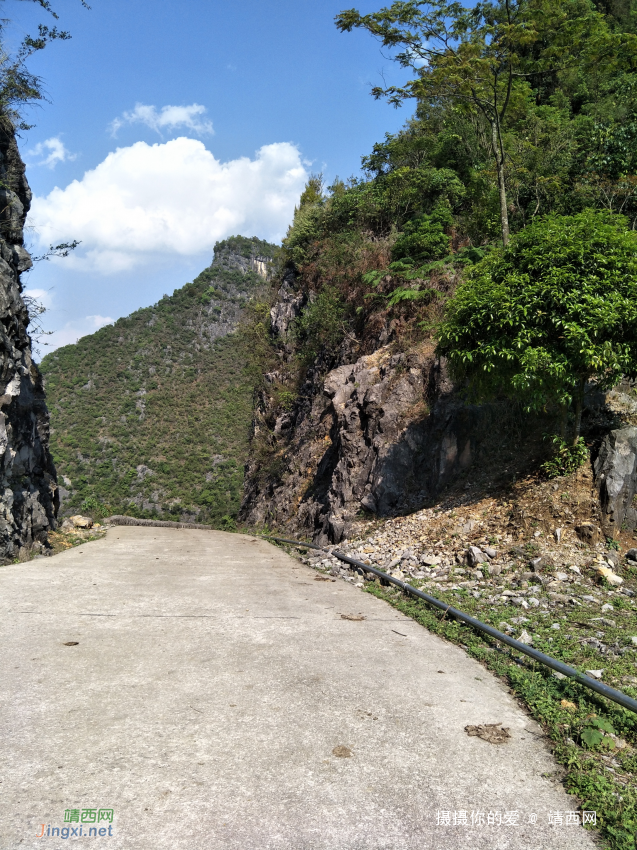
(610, 693)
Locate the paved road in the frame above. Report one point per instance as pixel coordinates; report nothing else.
(212, 681)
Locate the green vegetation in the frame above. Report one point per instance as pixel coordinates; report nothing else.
(566, 458)
(555, 308)
(151, 416)
(525, 129)
(484, 62)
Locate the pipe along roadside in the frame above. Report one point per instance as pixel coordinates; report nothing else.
(564, 669)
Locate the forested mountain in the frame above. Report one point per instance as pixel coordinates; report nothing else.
(150, 416)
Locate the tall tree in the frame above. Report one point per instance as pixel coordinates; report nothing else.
(482, 59)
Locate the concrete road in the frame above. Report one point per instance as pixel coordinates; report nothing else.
(215, 698)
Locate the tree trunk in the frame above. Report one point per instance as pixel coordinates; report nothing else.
(499, 164)
(563, 420)
(579, 402)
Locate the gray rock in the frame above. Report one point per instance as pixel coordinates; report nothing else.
(491, 553)
(596, 674)
(616, 480)
(430, 560)
(632, 554)
(28, 486)
(475, 556)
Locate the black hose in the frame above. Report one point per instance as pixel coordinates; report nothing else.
(610, 693)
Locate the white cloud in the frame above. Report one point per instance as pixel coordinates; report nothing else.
(72, 331)
(145, 202)
(168, 117)
(99, 321)
(57, 152)
(43, 296)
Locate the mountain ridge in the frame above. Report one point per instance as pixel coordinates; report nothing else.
(150, 416)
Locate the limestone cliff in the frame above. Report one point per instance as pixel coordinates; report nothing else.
(380, 434)
(28, 491)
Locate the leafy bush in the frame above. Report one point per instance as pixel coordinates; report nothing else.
(424, 238)
(567, 458)
(322, 324)
(554, 309)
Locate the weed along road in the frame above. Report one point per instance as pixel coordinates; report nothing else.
(187, 689)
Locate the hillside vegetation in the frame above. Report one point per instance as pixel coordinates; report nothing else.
(517, 119)
(151, 416)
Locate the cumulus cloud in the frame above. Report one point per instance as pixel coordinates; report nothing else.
(172, 199)
(74, 330)
(49, 153)
(99, 321)
(167, 118)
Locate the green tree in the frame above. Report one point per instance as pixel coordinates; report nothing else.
(554, 309)
(482, 60)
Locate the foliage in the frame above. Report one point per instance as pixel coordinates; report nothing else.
(425, 237)
(95, 508)
(151, 416)
(592, 733)
(321, 325)
(551, 311)
(481, 60)
(246, 247)
(566, 458)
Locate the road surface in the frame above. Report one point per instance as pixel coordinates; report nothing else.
(216, 699)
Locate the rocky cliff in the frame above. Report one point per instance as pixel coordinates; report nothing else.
(28, 493)
(382, 434)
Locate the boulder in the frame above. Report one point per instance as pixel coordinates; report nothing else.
(616, 480)
(475, 556)
(80, 521)
(610, 576)
(587, 533)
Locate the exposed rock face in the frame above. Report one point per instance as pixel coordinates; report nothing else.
(244, 255)
(384, 434)
(28, 489)
(616, 477)
(287, 308)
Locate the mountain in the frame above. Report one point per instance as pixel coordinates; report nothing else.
(151, 416)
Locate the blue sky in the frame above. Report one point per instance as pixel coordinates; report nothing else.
(262, 94)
